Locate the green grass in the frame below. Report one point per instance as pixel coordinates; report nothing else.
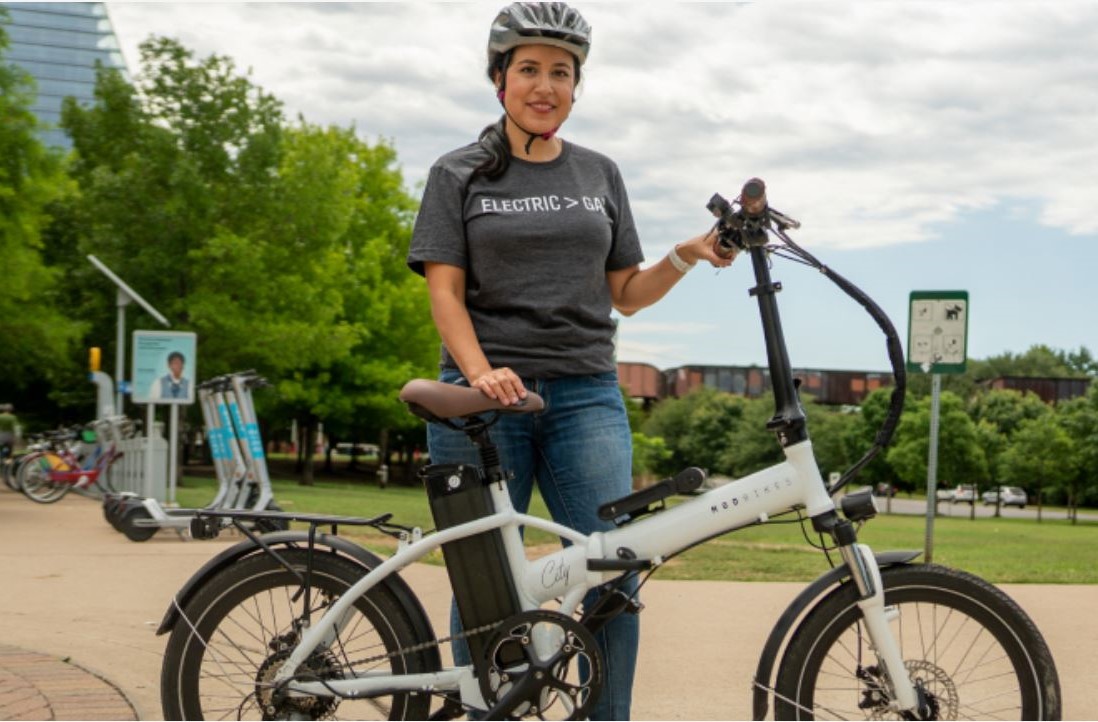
(1000, 550)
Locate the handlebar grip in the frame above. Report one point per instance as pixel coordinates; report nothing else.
(753, 198)
(723, 247)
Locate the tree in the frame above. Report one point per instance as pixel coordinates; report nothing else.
(751, 445)
(1007, 409)
(1038, 360)
(281, 245)
(960, 457)
(860, 434)
(1042, 455)
(697, 429)
(1079, 419)
(1082, 362)
(184, 159)
(38, 335)
(829, 428)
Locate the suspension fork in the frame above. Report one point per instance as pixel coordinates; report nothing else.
(866, 574)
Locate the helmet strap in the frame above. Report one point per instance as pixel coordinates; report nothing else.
(505, 62)
(531, 137)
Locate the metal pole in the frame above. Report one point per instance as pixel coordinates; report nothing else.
(120, 350)
(173, 448)
(932, 466)
(150, 419)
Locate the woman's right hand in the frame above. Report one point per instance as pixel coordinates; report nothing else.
(501, 384)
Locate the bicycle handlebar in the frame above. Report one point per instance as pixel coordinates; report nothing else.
(748, 225)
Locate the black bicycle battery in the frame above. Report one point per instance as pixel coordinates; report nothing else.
(479, 573)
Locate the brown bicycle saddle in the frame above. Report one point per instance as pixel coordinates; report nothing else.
(446, 401)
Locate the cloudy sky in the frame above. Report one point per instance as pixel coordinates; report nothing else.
(923, 145)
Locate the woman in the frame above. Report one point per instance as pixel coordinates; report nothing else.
(527, 242)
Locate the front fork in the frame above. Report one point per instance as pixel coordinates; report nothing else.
(866, 574)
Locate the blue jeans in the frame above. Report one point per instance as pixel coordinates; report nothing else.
(579, 451)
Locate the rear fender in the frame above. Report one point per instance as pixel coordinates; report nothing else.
(811, 593)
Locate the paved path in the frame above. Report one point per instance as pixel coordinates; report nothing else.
(35, 686)
(80, 603)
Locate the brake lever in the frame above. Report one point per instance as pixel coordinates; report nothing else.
(782, 219)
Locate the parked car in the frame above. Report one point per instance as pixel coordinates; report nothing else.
(964, 493)
(345, 448)
(945, 494)
(1008, 496)
(884, 489)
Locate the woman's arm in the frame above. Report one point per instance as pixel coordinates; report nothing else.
(632, 289)
(446, 285)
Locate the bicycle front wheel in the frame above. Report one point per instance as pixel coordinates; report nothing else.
(36, 478)
(237, 630)
(976, 654)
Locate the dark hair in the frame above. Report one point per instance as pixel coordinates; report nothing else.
(176, 355)
(493, 139)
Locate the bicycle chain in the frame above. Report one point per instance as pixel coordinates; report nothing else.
(426, 645)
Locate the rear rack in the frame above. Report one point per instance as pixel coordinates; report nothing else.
(207, 524)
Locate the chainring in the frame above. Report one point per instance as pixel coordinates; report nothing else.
(552, 658)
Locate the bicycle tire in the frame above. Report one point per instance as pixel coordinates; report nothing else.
(248, 607)
(103, 480)
(35, 481)
(978, 654)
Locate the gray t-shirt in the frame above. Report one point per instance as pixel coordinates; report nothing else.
(535, 245)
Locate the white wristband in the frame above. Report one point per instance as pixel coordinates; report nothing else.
(676, 260)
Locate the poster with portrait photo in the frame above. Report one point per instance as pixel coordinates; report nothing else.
(165, 366)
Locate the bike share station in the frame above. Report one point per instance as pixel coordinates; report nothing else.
(937, 335)
(164, 368)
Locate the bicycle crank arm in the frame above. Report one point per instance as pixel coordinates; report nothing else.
(867, 575)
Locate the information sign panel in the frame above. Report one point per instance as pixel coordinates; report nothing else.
(164, 367)
(937, 335)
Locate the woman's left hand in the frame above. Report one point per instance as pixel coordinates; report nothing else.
(703, 248)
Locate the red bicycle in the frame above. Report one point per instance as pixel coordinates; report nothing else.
(75, 461)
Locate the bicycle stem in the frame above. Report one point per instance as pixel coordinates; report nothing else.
(789, 421)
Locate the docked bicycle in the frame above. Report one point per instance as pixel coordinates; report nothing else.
(307, 625)
(78, 459)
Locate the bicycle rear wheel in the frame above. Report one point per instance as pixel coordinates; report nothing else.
(973, 650)
(246, 621)
(36, 478)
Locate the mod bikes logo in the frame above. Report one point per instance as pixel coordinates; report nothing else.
(752, 495)
(541, 204)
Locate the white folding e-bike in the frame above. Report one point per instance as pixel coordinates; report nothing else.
(307, 625)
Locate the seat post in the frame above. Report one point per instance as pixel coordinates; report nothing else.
(477, 431)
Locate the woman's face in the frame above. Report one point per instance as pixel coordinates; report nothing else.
(540, 83)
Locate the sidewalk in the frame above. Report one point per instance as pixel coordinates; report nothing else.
(35, 686)
(81, 604)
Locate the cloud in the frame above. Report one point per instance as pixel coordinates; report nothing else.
(873, 123)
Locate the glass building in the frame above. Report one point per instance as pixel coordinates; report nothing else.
(59, 44)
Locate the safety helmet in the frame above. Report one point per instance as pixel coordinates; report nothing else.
(534, 23)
